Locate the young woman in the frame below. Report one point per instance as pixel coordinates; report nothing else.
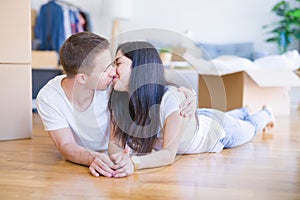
(147, 130)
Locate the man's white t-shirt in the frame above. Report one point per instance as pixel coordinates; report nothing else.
(90, 127)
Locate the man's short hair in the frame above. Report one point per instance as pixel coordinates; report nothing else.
(78, 52)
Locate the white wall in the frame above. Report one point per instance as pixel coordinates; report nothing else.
(213, 21)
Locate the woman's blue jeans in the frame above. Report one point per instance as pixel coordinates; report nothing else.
(239, 125)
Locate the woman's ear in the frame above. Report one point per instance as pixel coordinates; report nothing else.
(81, 78)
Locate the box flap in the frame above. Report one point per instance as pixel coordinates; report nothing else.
(214, 71)
(274, 78)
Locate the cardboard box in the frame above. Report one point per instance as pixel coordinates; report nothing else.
(44, 60)
(16, 112)
(15, 37)
(298, 72)
(255, 88)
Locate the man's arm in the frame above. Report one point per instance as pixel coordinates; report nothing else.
(189, 105)
(71, 151)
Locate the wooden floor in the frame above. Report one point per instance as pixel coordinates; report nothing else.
(267, 168)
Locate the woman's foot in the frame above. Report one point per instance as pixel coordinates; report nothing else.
(248, 109)
(271, 124)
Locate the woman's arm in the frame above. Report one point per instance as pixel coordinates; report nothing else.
(173, 131)
(113, 145)
(119, 156)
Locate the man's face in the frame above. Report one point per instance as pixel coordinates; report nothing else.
(102, 75)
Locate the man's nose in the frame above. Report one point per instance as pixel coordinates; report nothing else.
(112, 71)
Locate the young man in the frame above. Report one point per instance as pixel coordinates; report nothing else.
(73, 107)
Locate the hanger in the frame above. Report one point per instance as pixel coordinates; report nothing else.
(66, 3)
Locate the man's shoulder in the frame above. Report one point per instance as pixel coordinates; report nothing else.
(51, 88)
(52, 105)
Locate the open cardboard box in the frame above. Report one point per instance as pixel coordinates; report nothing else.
(255, 88)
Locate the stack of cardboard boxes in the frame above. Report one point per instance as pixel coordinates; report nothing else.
(15, 70)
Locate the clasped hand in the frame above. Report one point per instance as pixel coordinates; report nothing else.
(117, 165)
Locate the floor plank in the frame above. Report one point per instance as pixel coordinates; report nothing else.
(267, 168)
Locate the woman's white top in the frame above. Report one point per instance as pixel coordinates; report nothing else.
(205, 139)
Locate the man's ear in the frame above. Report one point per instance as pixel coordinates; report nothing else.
(81, 78)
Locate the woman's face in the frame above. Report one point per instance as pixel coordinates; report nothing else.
(123, 71)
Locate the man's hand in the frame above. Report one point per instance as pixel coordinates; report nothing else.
(123, 164)
(189, 105)
(102, 165)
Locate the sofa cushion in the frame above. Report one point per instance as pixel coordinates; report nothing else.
(211, 51)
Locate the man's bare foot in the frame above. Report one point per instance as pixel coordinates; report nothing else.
(271, 124)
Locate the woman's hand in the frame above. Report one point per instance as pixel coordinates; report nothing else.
(102, 165)
(123, 164)
(189, 105)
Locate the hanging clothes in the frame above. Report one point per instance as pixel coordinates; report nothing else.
(84, 20)
(56, 21)
(49, 28)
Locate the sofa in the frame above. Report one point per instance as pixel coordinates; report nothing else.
(245, 50)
